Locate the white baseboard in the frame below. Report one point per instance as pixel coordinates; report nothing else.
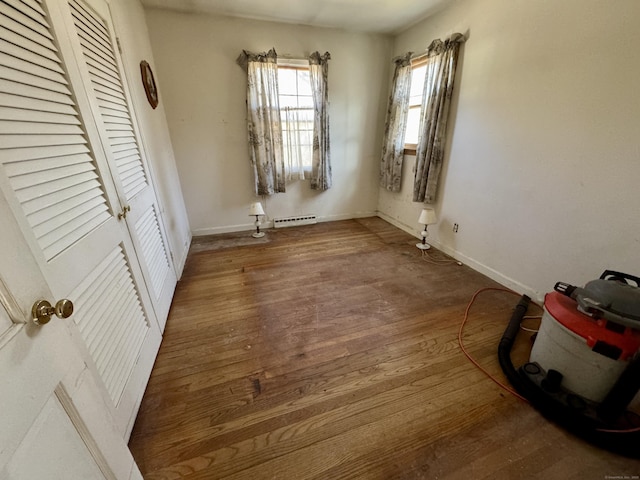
(243, 227)
(346, 216)
(401, 225)
(508, 282)
(200, 232)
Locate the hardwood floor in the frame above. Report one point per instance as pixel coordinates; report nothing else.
(330, 351)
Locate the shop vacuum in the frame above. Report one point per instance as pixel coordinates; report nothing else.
(584, 368)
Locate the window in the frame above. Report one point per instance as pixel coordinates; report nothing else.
(296, 115)
(418, 75)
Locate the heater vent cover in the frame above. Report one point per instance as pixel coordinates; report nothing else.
(294, 221)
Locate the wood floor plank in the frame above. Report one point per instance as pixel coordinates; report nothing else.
(330, 351)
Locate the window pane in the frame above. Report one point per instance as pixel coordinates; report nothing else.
(288, 101)
(413, 124)
(287, 81)
(307, 153)
(305, 101)
(304, 85)
(306, 137)
(417, 84)
(306, 117)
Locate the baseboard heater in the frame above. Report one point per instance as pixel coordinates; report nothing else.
(294, 221)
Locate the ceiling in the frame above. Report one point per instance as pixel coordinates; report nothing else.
(376, 16)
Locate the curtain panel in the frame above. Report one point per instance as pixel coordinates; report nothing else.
(442, 58)
(263, 121)
(395, 126)
(293, 141)
(321, 161)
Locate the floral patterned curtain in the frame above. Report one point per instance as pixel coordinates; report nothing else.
(321, 162)
(263, 121)
(441, 69)
(393, 147)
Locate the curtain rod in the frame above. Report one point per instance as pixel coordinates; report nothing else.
(456, 37)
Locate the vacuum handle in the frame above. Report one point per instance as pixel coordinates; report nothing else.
(619, 276)
(565, 288)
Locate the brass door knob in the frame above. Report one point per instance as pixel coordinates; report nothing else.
(42, 310)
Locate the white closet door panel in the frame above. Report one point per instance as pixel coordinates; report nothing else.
(39, 27)
(54, 188)
(9, 100)
(27, 33)
(58, 185)
(38, 128)
(22, 53)
(21, 154)
(55, 73)
(130, 169)
(99, 70)
(114, 119)
(36, 204)
(7, 113)
(95, 26)
(127, 160)
(14, 169)
(91, 42)
(53, 428)
(125, 149)
(33, 180)
(28, 91)
(111, 319)
(21, 141)
(30, 9)
(82, 225)
(153, 251)
(35, 154)
(103, 77)
(120, 135)
(70, 217)
(113, 112)
(48, 213)
(103, 71)
(26, 43)
(17, 76)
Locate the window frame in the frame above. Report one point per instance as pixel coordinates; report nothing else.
(417, 62)
(296, 64)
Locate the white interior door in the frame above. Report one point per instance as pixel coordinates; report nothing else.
(92, 39)
(57, 183)
(55, 423)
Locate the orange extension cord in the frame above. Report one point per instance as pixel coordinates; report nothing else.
(483, 370)
(468, 355)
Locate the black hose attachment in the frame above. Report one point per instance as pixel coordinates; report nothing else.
(506, 343)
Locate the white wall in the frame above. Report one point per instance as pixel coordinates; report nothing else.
(543, 165)
(204, 93)
(131, 29)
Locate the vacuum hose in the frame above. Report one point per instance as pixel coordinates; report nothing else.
(506, 343)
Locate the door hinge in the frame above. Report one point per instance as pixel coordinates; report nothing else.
(119, 45)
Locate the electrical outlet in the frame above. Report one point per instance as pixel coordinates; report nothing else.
(455, 228)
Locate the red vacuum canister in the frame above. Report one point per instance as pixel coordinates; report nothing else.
(590, 353)
(584, 368)
(589, 335)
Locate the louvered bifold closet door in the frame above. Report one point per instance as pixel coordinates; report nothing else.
(60, 190)
(122, 142)
(106, 82)
(44, 148)
(113, 323)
